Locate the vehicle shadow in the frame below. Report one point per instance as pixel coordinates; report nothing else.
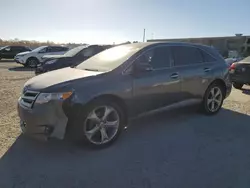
(154, 151)
(7, 60)
(246, 91)
(21, 69)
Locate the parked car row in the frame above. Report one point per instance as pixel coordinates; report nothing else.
(93, 101)
(34, 57)
(72, 57)
(47, 58)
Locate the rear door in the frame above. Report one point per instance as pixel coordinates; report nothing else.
(195, 72)
(160, 85)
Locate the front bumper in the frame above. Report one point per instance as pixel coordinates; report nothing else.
(43, 121)
(19, 60)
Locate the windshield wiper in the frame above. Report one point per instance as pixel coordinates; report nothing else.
(91, 70)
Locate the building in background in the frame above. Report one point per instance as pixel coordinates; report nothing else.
(238, 44)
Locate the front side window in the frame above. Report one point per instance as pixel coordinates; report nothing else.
(158, 57)
(185, 55)
(40, 49)
(88, 52)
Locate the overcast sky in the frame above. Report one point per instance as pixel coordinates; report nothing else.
(108, 21)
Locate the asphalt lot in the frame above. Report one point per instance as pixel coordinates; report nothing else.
(179, 148)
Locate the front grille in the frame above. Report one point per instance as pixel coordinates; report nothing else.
(28, 98)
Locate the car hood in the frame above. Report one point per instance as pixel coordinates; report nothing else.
(56, 77)
(24, 53)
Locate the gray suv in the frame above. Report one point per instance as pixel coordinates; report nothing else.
(93, 101)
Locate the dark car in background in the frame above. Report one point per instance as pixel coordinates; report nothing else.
(240, 73)
(93, 101)
(9, 52)
(73, 57)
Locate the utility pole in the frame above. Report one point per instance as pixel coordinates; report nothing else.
(144, 32)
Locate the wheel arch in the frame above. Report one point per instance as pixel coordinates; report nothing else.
(114, 98)
(31, 57)
(220, 82)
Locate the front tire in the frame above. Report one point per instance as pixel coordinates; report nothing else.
(32, 62)
(213, 99)
(100, 124)
(237, 85)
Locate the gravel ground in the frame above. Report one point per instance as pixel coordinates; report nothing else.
(172, 149)
(12, 79)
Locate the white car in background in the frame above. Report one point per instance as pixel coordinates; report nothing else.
(34, 57)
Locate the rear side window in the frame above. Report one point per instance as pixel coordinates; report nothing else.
(207, 57)
(158, 58)
(57, 49)
(19, 48)
(185, 55)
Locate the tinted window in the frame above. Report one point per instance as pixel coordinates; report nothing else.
(57, 49)
(207, 57)
(49, 49)
(88, 52)
(17, 48)
(158, 57)
(184, 55)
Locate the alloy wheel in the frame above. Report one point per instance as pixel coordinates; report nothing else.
(32, 63)
(214, 99)
(101, 125)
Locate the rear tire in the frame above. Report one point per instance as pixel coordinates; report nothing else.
(237, 85)
(213, 99)
(88, 130)
(32, 62)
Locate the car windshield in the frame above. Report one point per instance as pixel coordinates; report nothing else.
(75, 50)
(109, 59)
(39, 48)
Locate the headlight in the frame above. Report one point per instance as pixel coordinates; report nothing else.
(20, 55)
(46, 97)
(50, 62)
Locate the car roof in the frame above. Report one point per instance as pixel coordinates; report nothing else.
(245, 60)
(147, 44)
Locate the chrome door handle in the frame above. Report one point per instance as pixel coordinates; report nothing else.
(207, 69)
(174, 75)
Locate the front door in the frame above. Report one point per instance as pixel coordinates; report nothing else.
(7, 53)
(158, 86)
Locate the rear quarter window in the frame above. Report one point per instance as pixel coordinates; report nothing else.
(186, 55)
(207, 57)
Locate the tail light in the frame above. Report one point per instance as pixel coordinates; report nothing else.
(232, 67)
